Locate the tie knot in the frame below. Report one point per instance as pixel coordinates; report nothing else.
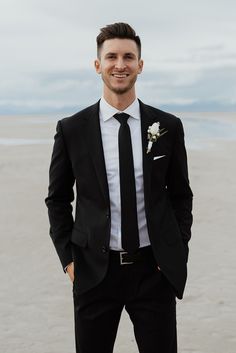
(122, 117)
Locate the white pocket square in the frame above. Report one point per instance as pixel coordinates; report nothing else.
(157, 157)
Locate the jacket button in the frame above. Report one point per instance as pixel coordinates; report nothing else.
(104, 249)
(108, 215)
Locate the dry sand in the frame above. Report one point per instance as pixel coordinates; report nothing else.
(36, 308)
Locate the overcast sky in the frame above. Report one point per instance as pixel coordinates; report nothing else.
(48, 48)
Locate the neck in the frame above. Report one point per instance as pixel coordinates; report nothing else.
(120, 101)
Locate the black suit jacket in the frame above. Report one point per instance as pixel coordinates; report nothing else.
(78, 158)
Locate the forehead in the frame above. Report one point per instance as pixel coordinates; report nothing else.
(119, 46)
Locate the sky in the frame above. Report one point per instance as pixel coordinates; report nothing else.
(48, 49)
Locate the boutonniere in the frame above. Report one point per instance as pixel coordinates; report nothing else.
(154, 132)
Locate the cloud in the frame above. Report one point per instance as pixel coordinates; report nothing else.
(48, 48)
(69, 90)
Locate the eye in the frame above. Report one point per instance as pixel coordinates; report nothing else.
(129, 57)
(111, 56)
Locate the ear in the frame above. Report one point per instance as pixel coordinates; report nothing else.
(97, 66)
(140, 64)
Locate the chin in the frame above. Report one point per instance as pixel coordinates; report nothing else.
(121, 90)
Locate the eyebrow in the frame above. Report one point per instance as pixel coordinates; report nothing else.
(113, 53)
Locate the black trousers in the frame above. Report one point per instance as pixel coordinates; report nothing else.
(146, 295)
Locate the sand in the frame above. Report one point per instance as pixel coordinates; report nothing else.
(36, 307)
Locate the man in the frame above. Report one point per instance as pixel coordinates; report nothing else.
(128, 243)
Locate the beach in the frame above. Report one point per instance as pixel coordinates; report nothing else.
(36, 306)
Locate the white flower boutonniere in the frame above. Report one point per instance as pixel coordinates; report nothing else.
(154, 132)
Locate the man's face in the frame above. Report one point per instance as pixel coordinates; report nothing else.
(119, 65)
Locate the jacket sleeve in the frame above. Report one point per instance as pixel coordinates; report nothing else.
(60, 197)
(178, 187)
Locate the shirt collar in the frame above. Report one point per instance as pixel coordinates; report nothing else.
(107, 111)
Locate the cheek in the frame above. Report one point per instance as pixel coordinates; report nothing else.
(105, 69)
(135, 69)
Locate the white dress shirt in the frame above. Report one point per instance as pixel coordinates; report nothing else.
(109, 130)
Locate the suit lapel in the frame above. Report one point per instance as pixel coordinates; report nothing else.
(147, 119)
(94, 142)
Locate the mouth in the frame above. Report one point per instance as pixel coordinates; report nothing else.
(120, 75)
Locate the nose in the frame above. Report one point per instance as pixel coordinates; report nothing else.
(120, 64)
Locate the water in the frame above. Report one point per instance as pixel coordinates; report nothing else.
(23, 141)
(200, 131)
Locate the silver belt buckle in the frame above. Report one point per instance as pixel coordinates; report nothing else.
(122, 262)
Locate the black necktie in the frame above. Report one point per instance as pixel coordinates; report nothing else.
(129, 221)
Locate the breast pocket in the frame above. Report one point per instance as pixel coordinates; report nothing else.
(159, 157)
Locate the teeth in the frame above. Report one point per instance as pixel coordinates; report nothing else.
(120, 76)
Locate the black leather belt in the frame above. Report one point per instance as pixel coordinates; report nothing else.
(125, 258)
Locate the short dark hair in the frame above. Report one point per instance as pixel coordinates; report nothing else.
(117, 30)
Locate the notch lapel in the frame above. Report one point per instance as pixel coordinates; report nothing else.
(95, 147)
(147, 119)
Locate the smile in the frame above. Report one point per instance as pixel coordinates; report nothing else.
(120, 75)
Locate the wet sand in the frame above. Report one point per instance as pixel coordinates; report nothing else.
(36, 307)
